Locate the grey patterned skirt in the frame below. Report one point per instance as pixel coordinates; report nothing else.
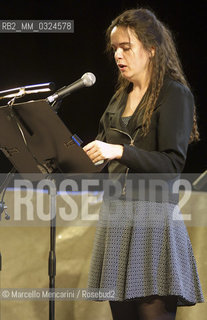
(142, 248)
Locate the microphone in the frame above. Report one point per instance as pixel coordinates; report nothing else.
(87, 80)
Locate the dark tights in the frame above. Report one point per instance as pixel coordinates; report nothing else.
(149, 308)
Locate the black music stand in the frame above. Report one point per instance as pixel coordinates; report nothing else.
(35, 140)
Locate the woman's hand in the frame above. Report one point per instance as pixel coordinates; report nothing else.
(98, 150)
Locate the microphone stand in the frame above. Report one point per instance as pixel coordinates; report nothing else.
(52, 254)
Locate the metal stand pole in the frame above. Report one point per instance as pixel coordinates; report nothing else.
(52, 256)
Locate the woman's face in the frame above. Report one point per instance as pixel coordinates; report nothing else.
(130, 56)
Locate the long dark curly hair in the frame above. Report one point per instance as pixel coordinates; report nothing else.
(152, 33)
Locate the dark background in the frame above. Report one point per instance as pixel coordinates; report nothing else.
(63, 58)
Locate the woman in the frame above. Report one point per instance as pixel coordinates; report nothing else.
(145, 129)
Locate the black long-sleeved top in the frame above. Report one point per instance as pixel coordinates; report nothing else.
(164, 148)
